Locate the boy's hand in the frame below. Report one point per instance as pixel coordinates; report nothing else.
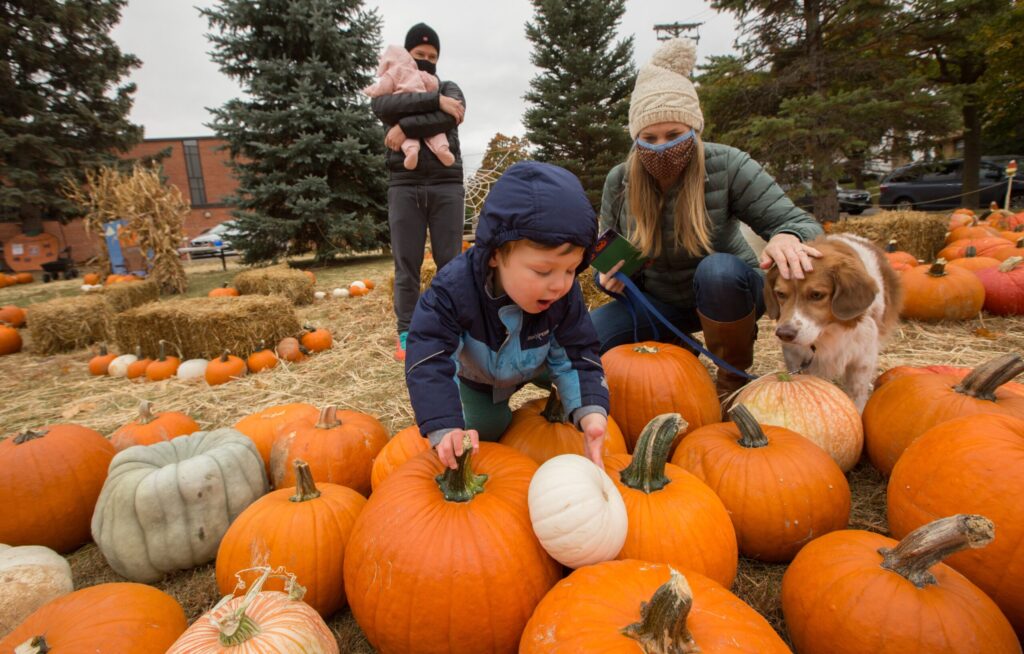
(595, 428)
(451, 446)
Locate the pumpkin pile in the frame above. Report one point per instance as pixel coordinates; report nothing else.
(11, 318)
(358, 288)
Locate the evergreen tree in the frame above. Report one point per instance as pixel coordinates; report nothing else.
(580, 100)
(63, 108)
(305, 147)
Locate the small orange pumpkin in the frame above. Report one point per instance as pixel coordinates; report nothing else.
(223, 291)
(150, 428)
(403, 446)
(317, 339)
(289, 349)
(12, 315)
(224, 368)
(264, 426)
(898, 256)
(164, 367)
(539, 430)
(138, 367)
(311, 275)
(98, 364)
(262, 359)
(10, 340)
(369, 284)
(24, 278)
(91, 278)
(356, 291)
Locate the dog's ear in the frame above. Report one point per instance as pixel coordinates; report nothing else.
(853, 288)
(771, 303)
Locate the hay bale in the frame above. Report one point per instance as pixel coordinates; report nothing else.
(427, 272)
(128, 295)
(68, 323)
(919, 233)
(277, 280)
(592, 295)
(205, 327)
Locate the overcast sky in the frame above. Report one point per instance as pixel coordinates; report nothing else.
(483, 49)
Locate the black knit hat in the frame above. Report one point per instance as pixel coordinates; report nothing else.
(421, 33)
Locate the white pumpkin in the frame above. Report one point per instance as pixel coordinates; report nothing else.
(192, 369)
(340, 292)
(30, 576)
(320, 295)
(361, 284)
(119, 366)
(165, 507)
(577, 513)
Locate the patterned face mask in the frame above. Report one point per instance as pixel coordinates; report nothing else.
(665, 162)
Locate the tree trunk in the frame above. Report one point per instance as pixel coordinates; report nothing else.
(823, 182)
(972, 149)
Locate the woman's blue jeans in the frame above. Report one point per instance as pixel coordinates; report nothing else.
(726, 288)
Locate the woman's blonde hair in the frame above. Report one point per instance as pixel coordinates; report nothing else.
(692, 223)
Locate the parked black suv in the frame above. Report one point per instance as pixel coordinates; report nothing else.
(852, 201)
(939, 185)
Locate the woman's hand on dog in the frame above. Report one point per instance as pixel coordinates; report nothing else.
(788, 253)
(608, 281)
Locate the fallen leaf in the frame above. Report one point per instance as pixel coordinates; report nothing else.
(984, 333)
(75, 409)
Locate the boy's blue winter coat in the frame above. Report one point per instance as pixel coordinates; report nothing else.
(460, 330)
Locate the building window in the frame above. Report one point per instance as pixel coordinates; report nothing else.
(194, 169)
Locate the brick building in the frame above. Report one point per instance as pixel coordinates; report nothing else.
(196, 166)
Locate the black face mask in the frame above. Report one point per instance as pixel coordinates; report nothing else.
(426, 66)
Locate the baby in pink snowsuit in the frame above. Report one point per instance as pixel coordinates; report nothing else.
(398, 73)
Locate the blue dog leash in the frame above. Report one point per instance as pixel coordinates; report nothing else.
(634, 297)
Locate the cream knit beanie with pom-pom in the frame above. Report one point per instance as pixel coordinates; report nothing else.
(664, 92)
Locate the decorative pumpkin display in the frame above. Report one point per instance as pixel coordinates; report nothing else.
(119, 366)
(900, 411)
(289, 349)
(91, 279)
(1014, 249)
(884, 595)
(116, 617)
(262, 359)
(896, 256)
(815, 408)
(541, 430)
(973, 464)
(149, 428)
(264, 426)
(577, 513)
(805, 493)
(164, 367)
(165, 507)
(649, 379)
(138, 367)
(971, 261)
(975, 231)
(1008, 221)
(224, 368)
(192, 370)
(23, 278)
(316, 339)
(1015, 234)
(340, 447)
(30, 576)
(673, 516)
(12, 315)
(632, 607)
(50, 478)
(957, 371)
(1004, 287)
(357, 290)
(304, 530)
(427, 521)
(260, 622)
(10, 340)
(982, 246)
(938, 292)
(400, 448)
(223, 291)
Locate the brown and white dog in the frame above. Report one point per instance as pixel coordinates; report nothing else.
(835, 321)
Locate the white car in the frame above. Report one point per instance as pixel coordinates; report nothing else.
(213, 240)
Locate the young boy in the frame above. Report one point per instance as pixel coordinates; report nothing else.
(506, 310)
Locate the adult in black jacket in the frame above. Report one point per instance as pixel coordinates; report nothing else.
(431, 195)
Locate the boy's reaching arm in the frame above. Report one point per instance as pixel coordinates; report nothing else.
(575, 363)
(430, 364)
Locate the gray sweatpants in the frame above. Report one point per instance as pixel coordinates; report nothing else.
(411, 211)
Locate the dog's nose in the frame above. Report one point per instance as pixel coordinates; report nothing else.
(786, 332)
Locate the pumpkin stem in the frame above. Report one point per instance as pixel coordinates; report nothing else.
(891, 245)
(983, 381)
(305, 489)
(461, 484)
(328, 418)
(646, 472)
(145, 413)
(103, 350)
(938, 269)
(224, 356)
(645, 349)
(662, 627)
(553, 411)
(1019, 243)
(35, 645)
(1010, 263)
(29, 435)
(933, 542)
(236, 627)
(751, 434)
(162, 351)
(971, 251)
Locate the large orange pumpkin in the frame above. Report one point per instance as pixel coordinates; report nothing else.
(805, 493)
(540, 431)
(971, 261)
(264, 426)
(902, 409)
(957, 371)
(1004, 287)
(674, 517)
(649, 379)
(125, 618)
(1008, 221)
(304, 530)
(938, 292)
(852, 592)
(340, 447)
(435, 542)
(977, 231)
(631, 607)
(969, 465)
(150, 428)
(12, 315)
(815, 408)
(10, 340)
(983, 247)
(1014, 249)
(400, 448)
(50, 478)
(896, 256)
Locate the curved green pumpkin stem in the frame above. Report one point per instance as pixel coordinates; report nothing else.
(236, 627)
(933, 542)
(461, 484)
(305, 488)
(982, 382)
(34, 645)
(662, 628)
(553, 411)
(646, 472)
(751, 434)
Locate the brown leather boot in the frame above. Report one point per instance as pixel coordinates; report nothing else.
(733, 342)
